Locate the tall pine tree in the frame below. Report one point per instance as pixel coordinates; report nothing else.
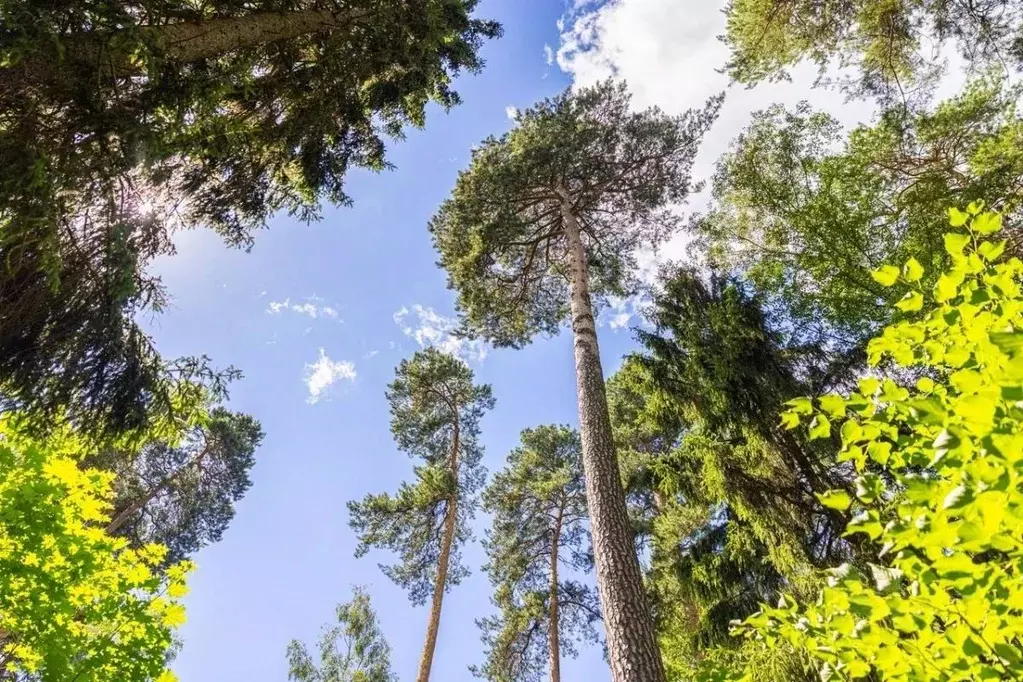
(435, 413)
(545, 224)
(538, 504)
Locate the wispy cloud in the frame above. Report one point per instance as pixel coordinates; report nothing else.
(309, 309)
(511, 112)
(429, 328)
(324, 373)
(548, 54)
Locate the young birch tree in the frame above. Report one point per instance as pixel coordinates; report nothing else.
(543, 226)
(539, 508)
(354, 650)
(435, 414)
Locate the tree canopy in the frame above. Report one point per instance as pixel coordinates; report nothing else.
(805, 217)
(938, 485)
(724, 494)
(500, 235)
(75, 602)
(353, 650)
(894, 47)
(538, 503)
(121, 122)
(182, 494)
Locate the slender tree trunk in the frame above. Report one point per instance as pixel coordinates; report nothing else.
(553, 625)
(632, 647)
(426, 662)
(139, 504)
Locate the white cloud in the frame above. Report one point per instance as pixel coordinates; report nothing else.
(324, 373)
(511, 112)
(309, 309)
(548, 54)
(429, 328)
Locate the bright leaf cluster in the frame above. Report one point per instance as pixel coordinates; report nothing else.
(938, 485)
(76, 603)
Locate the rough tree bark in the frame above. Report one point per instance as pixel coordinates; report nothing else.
(426, 662)
(553, 632)
(632, 647)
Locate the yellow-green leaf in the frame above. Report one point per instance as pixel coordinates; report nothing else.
(835, 499)
(957, 218)
(946, 289)
(912, 271)
(955, 243)
(886, 276)
(911, 302)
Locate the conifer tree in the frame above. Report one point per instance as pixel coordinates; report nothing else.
(435, 414)
(123, 121)
(539, 507)
(543, 226)
(182, 494)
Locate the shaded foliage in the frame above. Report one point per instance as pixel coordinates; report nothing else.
(120, 122)
(182, 495)
(894, 47)
(733, 516)
(805, 217)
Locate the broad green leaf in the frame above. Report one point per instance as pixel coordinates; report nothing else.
(911, 302)
(886, 275)
(835, 499)
(912, 271)
(946, 289)
(957, 218)
(955, 243)
(801, 405)
(820, 427)
(833, 404)
(987, 223)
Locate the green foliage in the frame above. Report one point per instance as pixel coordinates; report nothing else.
(500, 235)
(727, 496)
(538, 503)
(76, 603)
(806, 218)
(893, 45)
(939, 486)
(435, 414)
(181, 494)
(123, 122)
(354, 650)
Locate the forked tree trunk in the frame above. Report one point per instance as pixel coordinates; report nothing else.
(632, 647)
(554, 620)
(426, 662)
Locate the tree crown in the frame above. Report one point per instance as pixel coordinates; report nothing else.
(501, 237)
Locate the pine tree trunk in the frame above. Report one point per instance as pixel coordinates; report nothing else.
(426, 662)
(632, 647)
(139, 504)
(554, 621)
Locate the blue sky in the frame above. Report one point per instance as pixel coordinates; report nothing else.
(329, 293)
(287, 558)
